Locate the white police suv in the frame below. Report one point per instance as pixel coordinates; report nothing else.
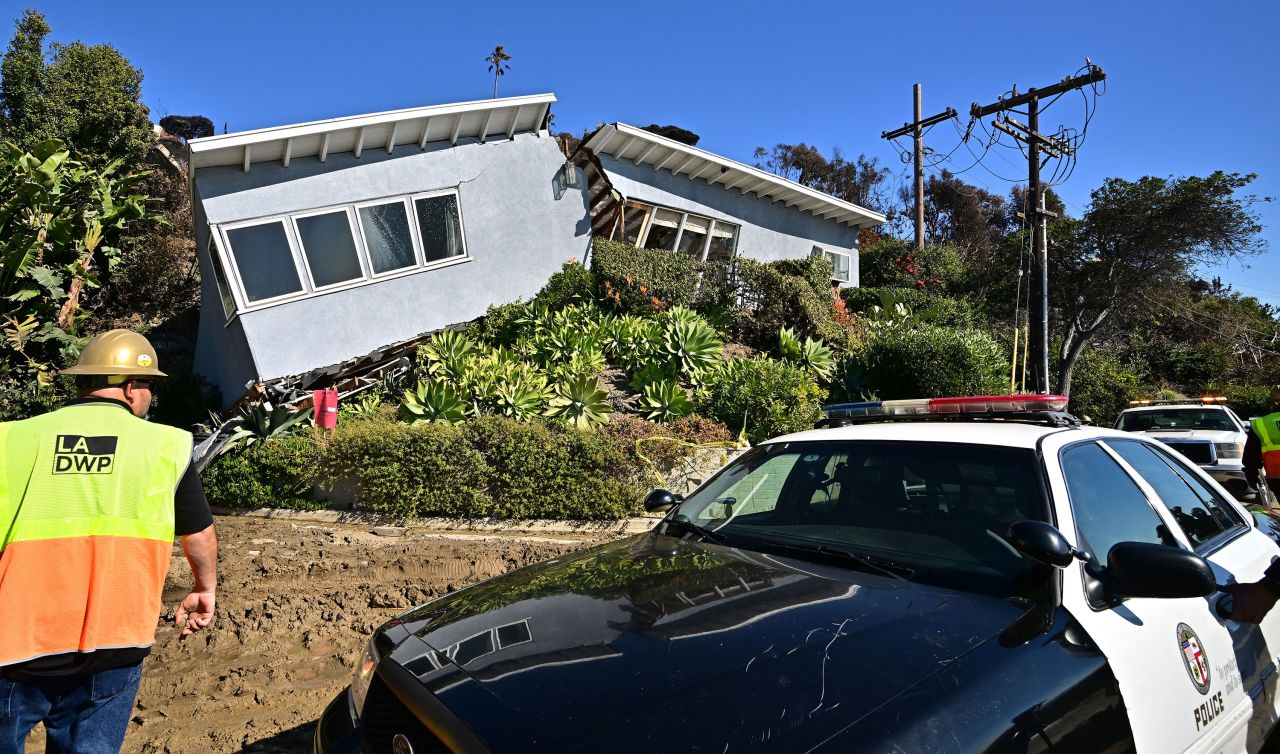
(1204, 430)
(951, 575)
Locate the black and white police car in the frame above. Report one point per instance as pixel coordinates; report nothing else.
(968, 574)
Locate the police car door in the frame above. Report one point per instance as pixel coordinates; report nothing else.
(1172, 658)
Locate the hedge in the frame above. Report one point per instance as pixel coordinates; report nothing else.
(638, 276)
(927, 361)
(772, 397)
(789, 293)
(491, 466)
(944, 311)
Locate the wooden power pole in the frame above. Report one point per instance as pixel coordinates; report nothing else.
(916, 129)
(1037, 143)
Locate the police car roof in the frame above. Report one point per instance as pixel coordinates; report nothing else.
(1007, 433)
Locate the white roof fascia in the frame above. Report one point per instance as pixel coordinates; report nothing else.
(215, 150)
(699, 160)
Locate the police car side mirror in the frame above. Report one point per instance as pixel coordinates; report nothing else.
(1142, 569)
(661, 500)
(1043, 543)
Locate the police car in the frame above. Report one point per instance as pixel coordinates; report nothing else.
(1204, 430)
(966, 574)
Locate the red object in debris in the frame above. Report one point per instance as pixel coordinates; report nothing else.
(326, 413)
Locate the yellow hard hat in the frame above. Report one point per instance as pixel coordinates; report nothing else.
(117, 353)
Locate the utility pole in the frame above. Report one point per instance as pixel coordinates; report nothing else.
(1036, 143)
(916, 129)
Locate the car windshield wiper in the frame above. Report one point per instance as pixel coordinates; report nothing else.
(871, 562)
(702, 531)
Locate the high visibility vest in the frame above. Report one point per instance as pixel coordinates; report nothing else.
(86, 529)
(1268, 430)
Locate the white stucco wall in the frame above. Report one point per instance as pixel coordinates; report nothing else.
(519, 222)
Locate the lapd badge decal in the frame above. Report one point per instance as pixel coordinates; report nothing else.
(79, 454)
(1193, 658)
(144, 360)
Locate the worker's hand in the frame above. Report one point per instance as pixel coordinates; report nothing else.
(1250, 602)
(193, 613)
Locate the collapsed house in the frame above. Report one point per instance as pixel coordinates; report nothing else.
(328, 249)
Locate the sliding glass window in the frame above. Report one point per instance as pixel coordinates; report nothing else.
(329, 247)
(440, 227)
(264, 259)
(387, 236)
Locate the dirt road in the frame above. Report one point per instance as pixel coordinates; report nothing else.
(296, 604)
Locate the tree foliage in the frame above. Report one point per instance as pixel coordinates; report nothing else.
(187, 127)
(676, 133)
(88, 96)
(860, 180)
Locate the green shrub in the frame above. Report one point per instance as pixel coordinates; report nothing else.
(274, 474)
(573, 284)
(500, 325)
(897, 263)
(936, 308)
(633, 278)
(1246, 400)
(422, 469)
(790, 293)
(538, 470)
(927, 361)
(772, 397)
(1102, 386)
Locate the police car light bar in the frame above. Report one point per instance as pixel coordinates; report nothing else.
(977, 404)
(1179, 401)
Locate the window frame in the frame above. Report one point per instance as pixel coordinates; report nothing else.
(294, 250)
(226, 285)
(837, 252)
(218, 232)
(416, 222)
(650, 211)
(414, 242)
(361, 258)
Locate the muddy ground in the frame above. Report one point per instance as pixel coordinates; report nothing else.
(296, 604)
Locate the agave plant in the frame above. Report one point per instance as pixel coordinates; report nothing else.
(665, 401)
(581, 402)
(654, 371)
(362, 406)
(433, 402)
(810, 354)
(692, 344)
(262, 422)
(522, 397)
(447, 354)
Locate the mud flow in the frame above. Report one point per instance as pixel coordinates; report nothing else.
(296, 604)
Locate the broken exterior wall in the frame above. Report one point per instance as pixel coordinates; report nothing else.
(769, 232)
(222, 351)
(519, 222)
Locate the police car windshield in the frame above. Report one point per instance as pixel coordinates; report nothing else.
(937, 510)
(1176, 419)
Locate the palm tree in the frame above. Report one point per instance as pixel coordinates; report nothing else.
(497, 61)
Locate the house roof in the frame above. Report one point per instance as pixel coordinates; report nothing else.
(413, 126)
(644, 148)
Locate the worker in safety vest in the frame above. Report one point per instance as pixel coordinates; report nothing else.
(1262, 449)
(91, 498)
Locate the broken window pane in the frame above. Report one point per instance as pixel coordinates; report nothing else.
(694, 235)
(329, 248)
(386, 234)
(264, 260)
(662, 230)
(633, 223)
(441, 227)
(724, 240)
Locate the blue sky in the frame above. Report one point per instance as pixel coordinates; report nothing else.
(1192, 86)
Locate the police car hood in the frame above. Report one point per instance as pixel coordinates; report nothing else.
(656, 644)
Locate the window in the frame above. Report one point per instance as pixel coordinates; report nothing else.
(724, 239)
(220, 278)
(658, 228)
(1196, 510)
(329, 248)
(1109, 507)
(387, 237)
(840, 263)
(663, 229)
(633, 222)
(264, 259)
(693, 237)
(440, 227)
